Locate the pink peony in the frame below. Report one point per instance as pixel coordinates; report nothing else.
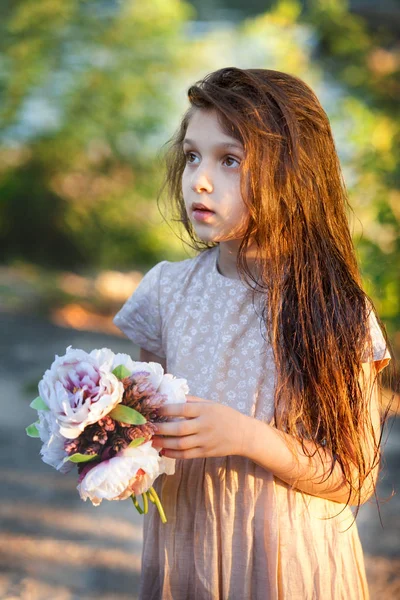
(79, 389)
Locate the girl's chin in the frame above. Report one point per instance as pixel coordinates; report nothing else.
(207, 238)
(206, 234)
(215, 238)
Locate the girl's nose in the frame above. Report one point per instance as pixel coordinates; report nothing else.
(201, 182)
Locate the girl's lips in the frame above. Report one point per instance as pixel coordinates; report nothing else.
(203, 215)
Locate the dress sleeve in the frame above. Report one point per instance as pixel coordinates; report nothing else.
(381, 355)
(140, 317)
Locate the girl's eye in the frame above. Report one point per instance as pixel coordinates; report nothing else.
(229, 161)
(230, 158)
(188, 156)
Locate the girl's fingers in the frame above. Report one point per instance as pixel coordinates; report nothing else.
(157, 442)
(177, 428)
(197, 399)
(180, 443)
(181, 454)
(181, 409)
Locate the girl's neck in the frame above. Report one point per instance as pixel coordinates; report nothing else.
(227, 255)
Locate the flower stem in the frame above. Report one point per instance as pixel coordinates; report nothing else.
(145, 503)
(136, 503)
(151, 497)
(158, 504)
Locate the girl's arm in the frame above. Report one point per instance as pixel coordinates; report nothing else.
(282, 454)
(213, 429)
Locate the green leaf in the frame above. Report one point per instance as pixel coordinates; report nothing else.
(121, 372)
(136, 442)
(80, 458)
(39, 404)
(32, 430)
(125, 414)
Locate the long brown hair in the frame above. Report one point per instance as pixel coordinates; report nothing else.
(315, 311)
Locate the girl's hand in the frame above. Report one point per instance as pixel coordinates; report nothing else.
(208, 429)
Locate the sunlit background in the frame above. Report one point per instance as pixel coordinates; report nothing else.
(90, 91)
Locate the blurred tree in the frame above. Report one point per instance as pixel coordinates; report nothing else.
(89, 88)
(366, 61)
(85, 89)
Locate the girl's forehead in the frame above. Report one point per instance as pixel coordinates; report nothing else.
(204, 126)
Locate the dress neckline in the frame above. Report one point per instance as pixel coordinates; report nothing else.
(229, 281)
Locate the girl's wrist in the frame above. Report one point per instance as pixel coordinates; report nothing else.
(250, 433)
(266, 446)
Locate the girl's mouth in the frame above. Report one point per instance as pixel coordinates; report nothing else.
(203, 214)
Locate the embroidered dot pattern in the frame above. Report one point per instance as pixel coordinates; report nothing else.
(209, 329)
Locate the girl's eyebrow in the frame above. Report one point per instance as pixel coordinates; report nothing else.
(223, 145)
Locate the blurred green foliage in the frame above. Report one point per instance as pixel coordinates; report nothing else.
(85, 89)
(91, 89)
(367, 63)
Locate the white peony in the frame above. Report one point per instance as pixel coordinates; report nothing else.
(175, 389)
(79, 389)
(141, 484)
(52, 451)
(121, 476)
(155, 370)
(164, 383)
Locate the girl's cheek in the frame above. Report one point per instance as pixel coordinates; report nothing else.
(185, 194)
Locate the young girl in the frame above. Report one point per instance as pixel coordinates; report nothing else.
(280, 347)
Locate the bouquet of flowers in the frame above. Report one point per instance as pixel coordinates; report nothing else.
(97, 411)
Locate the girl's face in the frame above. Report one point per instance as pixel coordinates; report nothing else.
(212, 177)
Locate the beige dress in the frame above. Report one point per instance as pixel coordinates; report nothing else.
(234, 531)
